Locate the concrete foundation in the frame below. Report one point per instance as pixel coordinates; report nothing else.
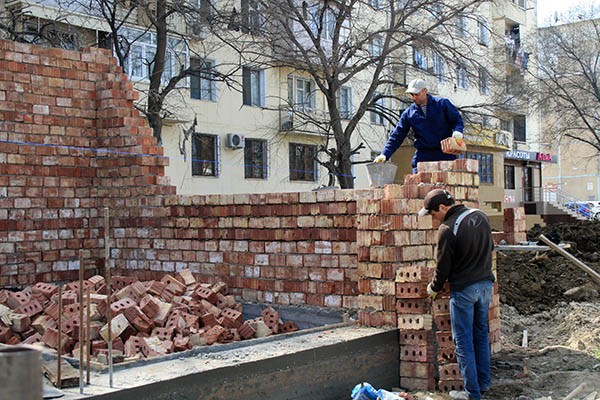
(322, 363)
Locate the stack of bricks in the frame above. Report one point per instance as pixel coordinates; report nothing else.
(396, 259)
(148, 318)
(514, 225)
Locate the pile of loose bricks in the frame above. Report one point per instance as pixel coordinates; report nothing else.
(396, 251)
(148, 319)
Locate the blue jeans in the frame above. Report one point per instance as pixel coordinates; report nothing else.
(469, 317)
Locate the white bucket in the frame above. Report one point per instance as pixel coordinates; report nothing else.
(381, 174)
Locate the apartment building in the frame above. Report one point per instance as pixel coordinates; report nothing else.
(568, 125)
(247, 137)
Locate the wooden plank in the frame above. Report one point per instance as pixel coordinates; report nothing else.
(69, 376)
(592, 273)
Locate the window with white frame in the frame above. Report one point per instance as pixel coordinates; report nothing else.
(376, 46)
(140, 60)
(326, 24)
(484, 81)
(205, 155)
(377, 117)
(303, 162)
(203, 85)
(462, 80)
(420, 58)
(255, 159)
(252, 16)
(345, 102)
(301, 93)
(439, 66)
(253, 86)
(461, 26)
(483, 31)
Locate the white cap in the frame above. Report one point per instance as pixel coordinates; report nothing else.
(415, 86)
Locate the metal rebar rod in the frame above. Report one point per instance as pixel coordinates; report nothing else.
(108, 294)
(88, 337)
(81, 324)
(59, 350)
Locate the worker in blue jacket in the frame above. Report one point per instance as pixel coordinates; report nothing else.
(432, 120)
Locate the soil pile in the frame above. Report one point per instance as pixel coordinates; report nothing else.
(535, 282)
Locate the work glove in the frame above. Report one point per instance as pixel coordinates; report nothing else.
(380, 158)
(431, 293)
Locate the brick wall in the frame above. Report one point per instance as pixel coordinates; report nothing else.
(71, 145)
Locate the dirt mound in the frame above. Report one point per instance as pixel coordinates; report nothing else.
(535, 282)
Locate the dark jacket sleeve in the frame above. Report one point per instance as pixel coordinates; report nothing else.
(397, 136)
(445, 255)
(453, 116)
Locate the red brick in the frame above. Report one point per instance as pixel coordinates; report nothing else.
(17, 299)
(448, 385)
(149, 306)
(442, 322)
(450, 372)
(246, 330)
(417, 353)
(232, 318)
(409, 290)
(420, 370)
(413, 306)
(205, 293)
(173, 285)
(444, 340)
(19, 322)
(271, 318)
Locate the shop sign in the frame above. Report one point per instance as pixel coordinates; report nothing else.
(520, 155)
(544, 157)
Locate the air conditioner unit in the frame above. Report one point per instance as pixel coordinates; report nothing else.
(235, 141)
(287, 122)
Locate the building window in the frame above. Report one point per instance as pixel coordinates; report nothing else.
(376, 4)
(462, 80)
(140, 60)
(520, 128)
(303, 162)
(376, 46)
(439, 67)
(420, 58)
(205, 155)
(252, 17)
(301, 93)
(484, 81)
(253, 87)
(509, 177)
(324, 23)
(345, 102)
(203, 85)
(461, 26)
(377, 115)
(486, 165)
(255, 159)
(483, 32)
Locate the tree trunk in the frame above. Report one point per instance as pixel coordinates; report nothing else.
(155, 99)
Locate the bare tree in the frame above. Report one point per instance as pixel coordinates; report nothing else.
(365, 44)
(569, 69)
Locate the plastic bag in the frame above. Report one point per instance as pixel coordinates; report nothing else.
(364, 391)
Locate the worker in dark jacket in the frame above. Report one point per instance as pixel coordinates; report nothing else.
(464, 258)
(432, 120)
